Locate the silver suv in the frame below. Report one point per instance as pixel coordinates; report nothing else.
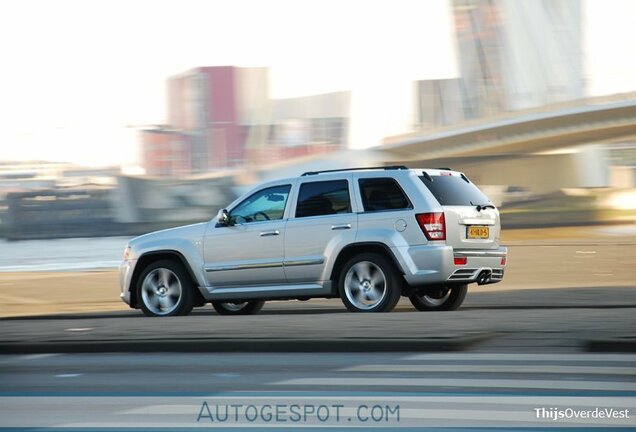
(366, 235)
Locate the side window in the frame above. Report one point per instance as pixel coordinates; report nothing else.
(382, 194)
(266, 204)
(323, 198)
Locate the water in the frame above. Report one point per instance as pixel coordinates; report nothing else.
(76, 254)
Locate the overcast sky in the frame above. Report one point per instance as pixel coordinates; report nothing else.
(75, 73)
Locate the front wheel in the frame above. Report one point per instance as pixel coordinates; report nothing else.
(442, 299)
(165, 289)
(238, 308)
(369, 283)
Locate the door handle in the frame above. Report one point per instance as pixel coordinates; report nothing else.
(270, 233)
(341, 227)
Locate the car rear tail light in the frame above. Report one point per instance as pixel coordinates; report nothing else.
(433, 225)
(461, 260)
(503, 261)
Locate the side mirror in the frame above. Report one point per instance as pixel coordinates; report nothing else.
(223, 218)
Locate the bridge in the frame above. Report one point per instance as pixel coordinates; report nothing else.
(587, 121)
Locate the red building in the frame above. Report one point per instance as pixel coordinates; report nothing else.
(166, 152)
(202, 104)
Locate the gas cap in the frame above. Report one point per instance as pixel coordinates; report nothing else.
(400, 225)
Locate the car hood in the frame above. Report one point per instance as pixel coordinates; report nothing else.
(190, 233)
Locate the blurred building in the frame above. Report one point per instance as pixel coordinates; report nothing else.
(513, 55)
(165, 202)
(53, 199)
(202, 104)
(166, 151)
(59, 213)
(296, 127)
(223, 117)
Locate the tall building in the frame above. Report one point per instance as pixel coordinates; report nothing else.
(547, 37)
(513, 55)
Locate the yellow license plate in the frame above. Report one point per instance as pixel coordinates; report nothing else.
(478, 232)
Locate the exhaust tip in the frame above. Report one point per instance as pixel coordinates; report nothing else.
(484, 277)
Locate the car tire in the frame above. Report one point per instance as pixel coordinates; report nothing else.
(165, 288)
(447, 299)
(239, 308)
(369, 282)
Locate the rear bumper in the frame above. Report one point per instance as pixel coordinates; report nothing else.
(431, 264)
(484, 263)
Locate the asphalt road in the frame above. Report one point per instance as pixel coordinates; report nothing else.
(406, 389)
(560, 320)
(388, 372)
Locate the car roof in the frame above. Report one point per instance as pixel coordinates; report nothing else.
(388, 170)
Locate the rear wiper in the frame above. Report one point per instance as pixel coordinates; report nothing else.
(481, 207)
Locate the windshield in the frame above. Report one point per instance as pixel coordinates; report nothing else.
(454, 190)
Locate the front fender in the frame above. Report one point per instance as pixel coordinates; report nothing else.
(187, 242)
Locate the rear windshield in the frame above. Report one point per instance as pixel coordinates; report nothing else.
(454, 190)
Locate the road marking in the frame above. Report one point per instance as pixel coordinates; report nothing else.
(27, 357)
(585, 252)
(37, 356)
(461, 383)
(79, 329)
(166, 409)
(591, 370)
(529, 357)
(71, 375)
(226, 375)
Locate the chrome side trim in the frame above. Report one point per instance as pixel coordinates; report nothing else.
(302, 262)
(234, 293)
(251, 266)
(260, 288)
(267, 264)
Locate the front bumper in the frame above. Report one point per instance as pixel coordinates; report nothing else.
(126, 270)
(431, 264)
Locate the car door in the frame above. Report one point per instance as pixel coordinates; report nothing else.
(249, 250)
(322, 222)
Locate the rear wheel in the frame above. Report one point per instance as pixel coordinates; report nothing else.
(442, 299)
(238, 308)
(369, 283)
(165, 289)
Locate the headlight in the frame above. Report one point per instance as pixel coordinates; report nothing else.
(127, 253)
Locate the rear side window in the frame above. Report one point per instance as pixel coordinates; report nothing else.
(382, 194)
(454, 190)
(323, 198)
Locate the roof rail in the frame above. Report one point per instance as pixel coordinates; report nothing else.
(444, 168)
(390, 167)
